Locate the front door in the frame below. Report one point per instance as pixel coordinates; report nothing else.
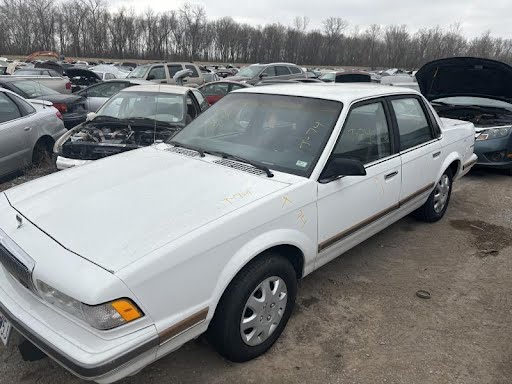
(351, 207)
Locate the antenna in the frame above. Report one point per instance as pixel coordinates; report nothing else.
(41, 92)
(156, 110)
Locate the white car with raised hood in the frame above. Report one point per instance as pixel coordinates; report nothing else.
(110, 266)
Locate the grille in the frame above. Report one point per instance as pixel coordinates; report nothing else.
(183, 151)
(240, 166)
(16, 268)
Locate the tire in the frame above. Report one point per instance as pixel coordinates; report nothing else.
(42, 153)
(431, 212)
(226, 329)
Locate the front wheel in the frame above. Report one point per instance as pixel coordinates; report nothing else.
(437, 203)
(254, 309)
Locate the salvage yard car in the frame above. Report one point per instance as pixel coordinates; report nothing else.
(133, 118)
(109, 267)
(476, 90)
(27, 131)
(72, 107)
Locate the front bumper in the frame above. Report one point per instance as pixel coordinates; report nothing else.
(495, 153)
(84, 353)
(65, 163)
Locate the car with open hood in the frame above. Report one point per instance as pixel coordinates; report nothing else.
(135, 117)
(111, 266)
(476, 90)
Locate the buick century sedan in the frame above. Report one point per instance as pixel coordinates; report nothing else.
(110, 266)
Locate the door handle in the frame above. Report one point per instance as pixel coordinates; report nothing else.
(437, 154)
(390, 175)
(27, 129)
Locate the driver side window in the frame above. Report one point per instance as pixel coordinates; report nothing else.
(365, 136)
(157, 73)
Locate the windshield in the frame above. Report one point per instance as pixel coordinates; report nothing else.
(250, 71)
(470, 100)
(164, 107)
(139, 72)
(285, 133)
(33, 89)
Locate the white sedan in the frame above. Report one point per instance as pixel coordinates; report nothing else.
(28, 131)
(110, 266)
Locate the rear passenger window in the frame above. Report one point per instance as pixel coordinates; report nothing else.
(8, 109)
(281, 70)
(365, 136)
(193, 69)
(412, 123)
(173, 68)
(157, 73)
(295, 70)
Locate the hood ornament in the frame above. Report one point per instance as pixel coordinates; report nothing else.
(19, 220)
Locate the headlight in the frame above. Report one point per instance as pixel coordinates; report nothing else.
(104, 316)
(494, 133)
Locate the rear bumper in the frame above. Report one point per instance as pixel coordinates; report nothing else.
(71, 120)
(65, 163)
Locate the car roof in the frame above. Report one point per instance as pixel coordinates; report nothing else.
(229, 82)
(344, 92)
(164, 88)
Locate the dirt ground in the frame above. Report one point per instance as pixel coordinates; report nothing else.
(358, 319)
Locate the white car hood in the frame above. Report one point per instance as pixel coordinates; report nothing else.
(116, 210)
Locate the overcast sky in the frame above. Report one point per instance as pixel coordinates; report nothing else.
(475, 16)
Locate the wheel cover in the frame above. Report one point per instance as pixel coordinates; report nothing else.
(263, 311)
(441, 194)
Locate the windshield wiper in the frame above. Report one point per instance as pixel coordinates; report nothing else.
(255, 164)
(186, 146)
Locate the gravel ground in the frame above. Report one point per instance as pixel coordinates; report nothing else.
(358, 319)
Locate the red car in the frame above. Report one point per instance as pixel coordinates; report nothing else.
(218, 89)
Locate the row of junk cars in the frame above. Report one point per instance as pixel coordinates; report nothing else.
(78, 113)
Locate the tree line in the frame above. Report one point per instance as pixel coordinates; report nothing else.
(88, 28)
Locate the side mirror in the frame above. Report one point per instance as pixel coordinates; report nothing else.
(90, 116)
(262, 75)
(337, 167)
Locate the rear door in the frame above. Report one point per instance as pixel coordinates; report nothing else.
(15, 131)
(195, 78)
(173, 69)
(420, 148)
(282, 72)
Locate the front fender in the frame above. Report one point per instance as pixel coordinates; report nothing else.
(258, 245)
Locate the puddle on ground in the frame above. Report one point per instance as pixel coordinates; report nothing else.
(488, 239)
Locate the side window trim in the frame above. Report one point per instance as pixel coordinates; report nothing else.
(391, 130)
(434, 128)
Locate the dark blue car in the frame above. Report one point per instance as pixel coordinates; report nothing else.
(476, 90)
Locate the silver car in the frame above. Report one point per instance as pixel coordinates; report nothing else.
(97, 94)
(28, 131)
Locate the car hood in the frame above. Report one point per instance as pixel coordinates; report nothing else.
(465, 76)
(116, 210)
